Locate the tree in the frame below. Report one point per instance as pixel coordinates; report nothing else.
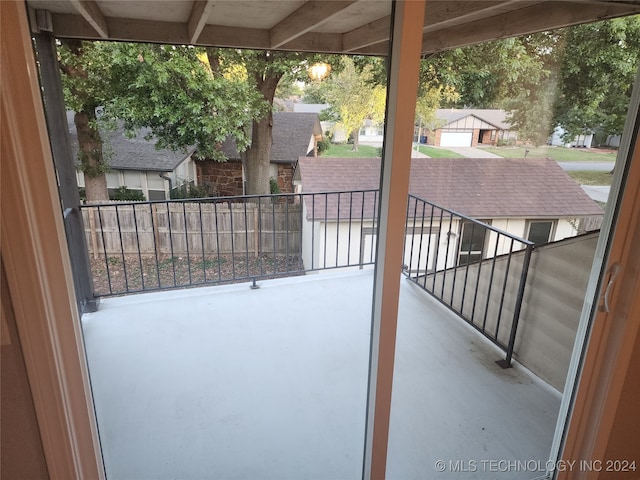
(599, 62)
(354, 97)
(169, 89)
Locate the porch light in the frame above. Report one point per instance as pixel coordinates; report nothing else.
(319, 71)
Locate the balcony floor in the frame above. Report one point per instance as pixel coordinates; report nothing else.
(233, 383)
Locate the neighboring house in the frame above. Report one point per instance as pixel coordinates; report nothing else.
(294, 135)
(530, 198)
(135, 163)
(584, 140)
(468, 128)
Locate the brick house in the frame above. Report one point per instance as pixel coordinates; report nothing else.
(294, 135)
(470, 127)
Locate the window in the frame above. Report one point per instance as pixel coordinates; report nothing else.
(472, 242)
(540, 231)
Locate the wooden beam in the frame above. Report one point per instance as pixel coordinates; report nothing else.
(404, 68)
(316, 42)
(439, 14)
(369, 34)
(92, 14)
(305, 19)
(377, 49)
(544, 16)
(198, 18)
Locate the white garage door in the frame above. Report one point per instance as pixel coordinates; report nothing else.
(456, 139)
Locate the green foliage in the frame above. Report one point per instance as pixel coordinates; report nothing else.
(587, 177)
(189, 190)
(126, 194)
(599, 61)
(274, 188)
(345, 151)
(173, 91)
(437, 152)
(559, 154)
(354, 97)
(323, 145)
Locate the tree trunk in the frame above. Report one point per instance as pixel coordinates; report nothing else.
(356, 139)
(90, 151)
(259, 153)
(258, 157)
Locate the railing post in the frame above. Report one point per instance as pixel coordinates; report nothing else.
(63, 159)
(506, 363)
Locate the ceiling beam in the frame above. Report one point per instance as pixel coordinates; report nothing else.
(316, 42)
(306, 18)
(92, 14)
(200, 11)
(543, 16)
(369, 34)
(439, 14)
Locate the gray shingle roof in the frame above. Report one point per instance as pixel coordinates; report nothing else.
(477, 187)
(291, 133)
(497, 118)
(132, 153)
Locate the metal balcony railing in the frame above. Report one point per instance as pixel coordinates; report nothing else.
(469, 266)
(466, 264)
(146, 246)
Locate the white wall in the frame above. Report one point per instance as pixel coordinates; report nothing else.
(422, 250)
(146, 181)
(579, 140)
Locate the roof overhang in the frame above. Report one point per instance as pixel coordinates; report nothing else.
(337, 26)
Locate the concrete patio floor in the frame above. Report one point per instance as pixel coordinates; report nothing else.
(232, 383)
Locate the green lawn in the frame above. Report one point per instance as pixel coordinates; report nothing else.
(346, 151)
(586, 177)
(436, 152)
(559, 154)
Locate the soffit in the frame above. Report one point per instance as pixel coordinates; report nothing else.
(331, 26)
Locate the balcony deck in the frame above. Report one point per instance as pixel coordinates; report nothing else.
(229, 382)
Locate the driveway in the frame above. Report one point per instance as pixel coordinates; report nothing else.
(472, 152)
(597, 193)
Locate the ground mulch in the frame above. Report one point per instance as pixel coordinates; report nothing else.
(121, 274)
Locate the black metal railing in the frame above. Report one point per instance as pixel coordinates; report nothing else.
(475, 269)
(146, 246)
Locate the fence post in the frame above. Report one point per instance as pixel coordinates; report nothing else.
(256, 232)
(155, 226)
(506, 363)
(92, 232)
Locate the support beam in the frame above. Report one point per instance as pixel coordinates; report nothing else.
(200, 12)
(56, 117)
(304, 19)
(36, 263)
(92, 14)
(439, 14)
(402, 91)
(536, 18)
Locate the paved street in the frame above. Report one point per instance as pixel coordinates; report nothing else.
(592, 166)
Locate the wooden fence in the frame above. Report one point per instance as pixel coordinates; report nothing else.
(178, 228)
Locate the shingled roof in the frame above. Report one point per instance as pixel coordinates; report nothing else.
(291, 133)
(477, 187)
(495, 117)
(132, 153)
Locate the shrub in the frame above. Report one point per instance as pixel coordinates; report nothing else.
(126, 194)
(273, 186)
(323, 145)
(189, 190)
